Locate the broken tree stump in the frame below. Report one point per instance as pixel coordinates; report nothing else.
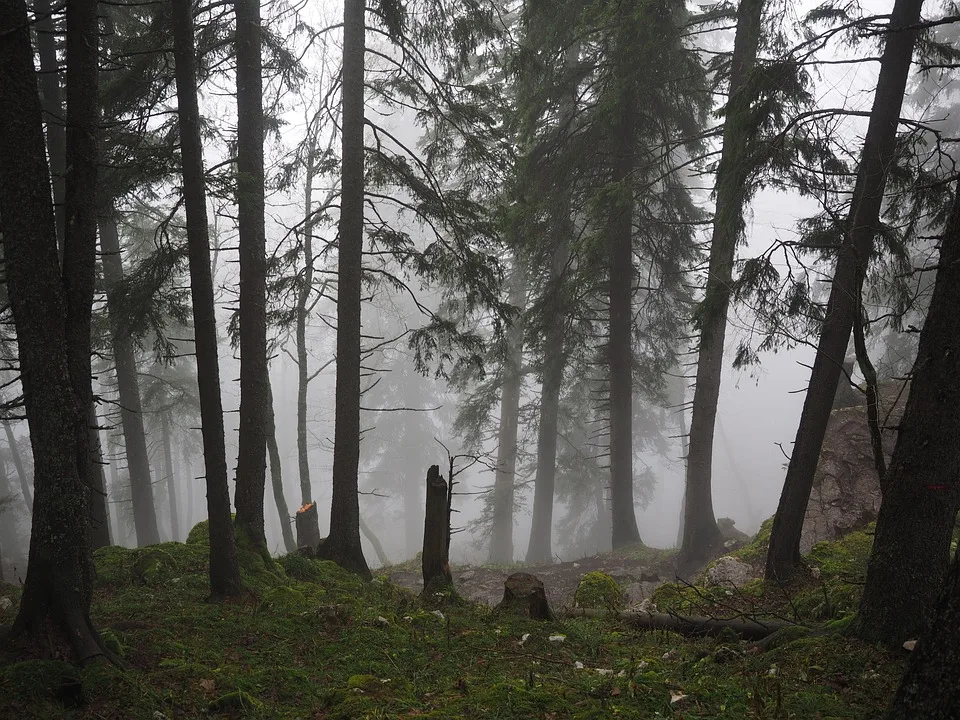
(308, 527)
(436, 534)
(523, 594)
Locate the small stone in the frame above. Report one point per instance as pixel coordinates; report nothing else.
(383, 621)
(5, 603)
(523, 640)
(468, 575)
(438, 614)
(558, 638)
(578, 665)
(909, 645)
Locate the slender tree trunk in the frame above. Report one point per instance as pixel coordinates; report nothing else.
(276, 478)
(929, 689)
(171, 476)
(685, 451)
(18, 464)
(620, 347)
(224, 568)
(55, 607)
(119, 530)
(854, 256)
(128, 386)
(303, 378)
(254, 381)
(187, 466)
(99, 511)
(911, 547)
(504, 484)
(343, 544)
(371, 536)
(52, 101)
(701, 536)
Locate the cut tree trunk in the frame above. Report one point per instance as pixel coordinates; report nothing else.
(911, 547)
(862, 226)
(55, 608)
(224, 568)
(929, 689)
(701, 536)
(343, 544)
(131, 409)
(254, 378)
(620, 342)
(505, 480)
(436, 534)
(276, 478)
(746, 628)
(523, 594)
(308, 527)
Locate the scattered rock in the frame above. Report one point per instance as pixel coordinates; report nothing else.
(467, 576)
(5, 603)
(909, 645)
(729, 571)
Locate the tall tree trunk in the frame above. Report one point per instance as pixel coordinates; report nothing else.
(55, 607)
(911, 547)
(844, 303)
(505, 480)
(254, 381)
(685, 452)
(52, 101)
(343, 544)
(276, 478)
(929, 688)
(18, 464)
(171, 476)
(701, 536)
(128, 386)
(187, 466)
(224, 568)
(540, 548)
(303, 300)
(620, 347)
(99, 511)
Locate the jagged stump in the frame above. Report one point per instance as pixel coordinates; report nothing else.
(523, 594)
(308, 529)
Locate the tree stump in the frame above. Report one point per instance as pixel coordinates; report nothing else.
(436, 534)
(308, 527)
(523, 594)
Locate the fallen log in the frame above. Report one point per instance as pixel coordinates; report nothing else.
(692, 626)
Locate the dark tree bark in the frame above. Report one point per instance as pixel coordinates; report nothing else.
(224, 568)
(505, 480)
(55, 607)
(52, 101)
(929, 689)
(844, 303)
(303, 301)
(540, 548)
(128, 386)
(308, 527)
(524, 594)
(911, 547)
(18, 464)
(343, 544)
(701, 536)
(171, 476)
(254, 381)
(99, 511)
(276, 478)
(620, 344)
(436, 534)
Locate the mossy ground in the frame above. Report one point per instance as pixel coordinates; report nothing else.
(311, 641)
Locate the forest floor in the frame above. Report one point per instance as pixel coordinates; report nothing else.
(311, 641)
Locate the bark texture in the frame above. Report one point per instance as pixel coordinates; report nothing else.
(170, 472)
(343, 544)
(911, 547)
(844, 303)
(505, 480)
(303, 300)
(620, 343)
(929, 689)
(254, 380)
(700, 534)
(276, 479)
(224, 568)
(99, 510)
(55, 606)
(436, 534)
(128, 386)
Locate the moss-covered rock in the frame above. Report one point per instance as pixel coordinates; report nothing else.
(236, 702)
(199, 534)
(113, 564)
(599, 591)
(153, 565)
